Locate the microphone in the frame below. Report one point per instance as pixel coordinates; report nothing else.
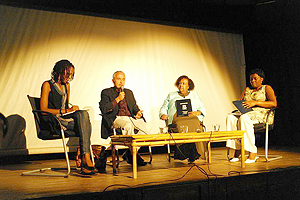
(122, 88)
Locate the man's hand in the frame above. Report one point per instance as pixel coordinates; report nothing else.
(139, 114)
(120, 97)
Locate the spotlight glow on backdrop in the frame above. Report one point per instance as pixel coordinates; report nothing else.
(152, 56)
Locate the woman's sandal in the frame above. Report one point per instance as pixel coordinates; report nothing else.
(86, 170)
(234, 159)
(251, 161)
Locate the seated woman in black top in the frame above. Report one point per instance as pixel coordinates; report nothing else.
(55, 99)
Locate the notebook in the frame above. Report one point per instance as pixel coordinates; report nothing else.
(183, 107)
(240, 107)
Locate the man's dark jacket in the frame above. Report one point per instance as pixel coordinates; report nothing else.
(109, 113)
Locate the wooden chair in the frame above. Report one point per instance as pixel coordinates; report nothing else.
(49, 131)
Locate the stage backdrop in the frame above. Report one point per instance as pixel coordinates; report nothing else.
(152, 56)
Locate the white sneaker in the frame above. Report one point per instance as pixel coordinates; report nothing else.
(251, 161)
(234, 159)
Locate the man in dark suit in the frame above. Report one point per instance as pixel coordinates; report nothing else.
(119, 110)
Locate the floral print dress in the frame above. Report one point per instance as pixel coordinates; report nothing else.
(259, 114)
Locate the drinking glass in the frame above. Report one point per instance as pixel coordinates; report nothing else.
(163, 129)
(216, 127)
(184, 129)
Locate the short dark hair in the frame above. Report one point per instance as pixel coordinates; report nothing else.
(257, 71)
(191, 83)
(59, 69)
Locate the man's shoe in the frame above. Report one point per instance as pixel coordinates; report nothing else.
(128, 157)
(140, 161)
(191, 160)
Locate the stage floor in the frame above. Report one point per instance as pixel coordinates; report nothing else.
(15, 186)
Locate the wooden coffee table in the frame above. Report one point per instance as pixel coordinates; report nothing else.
(134, 141)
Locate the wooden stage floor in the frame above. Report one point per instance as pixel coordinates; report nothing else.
(160, 172)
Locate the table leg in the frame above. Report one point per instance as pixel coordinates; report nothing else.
(208, 152)
(134, 162)
(113, 157)
(242, 153)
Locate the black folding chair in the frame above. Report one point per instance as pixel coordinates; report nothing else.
(264, 127)
(49, 130)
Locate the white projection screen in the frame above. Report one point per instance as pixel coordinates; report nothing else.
(152, 55)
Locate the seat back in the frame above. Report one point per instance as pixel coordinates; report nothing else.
(262, 126)
(50, 129)
(35, 105)
(3, 125)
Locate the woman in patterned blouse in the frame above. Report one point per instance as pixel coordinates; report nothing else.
(260, 98)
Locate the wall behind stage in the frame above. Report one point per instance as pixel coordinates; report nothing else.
(152, 56)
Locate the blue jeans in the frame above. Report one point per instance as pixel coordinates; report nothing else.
(82, 127)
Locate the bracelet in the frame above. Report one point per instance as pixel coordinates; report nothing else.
(65, 110)
(60, 111)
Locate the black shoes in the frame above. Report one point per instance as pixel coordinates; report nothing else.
(128, 157)
(186, 151)
(196, 157)
(140, 161)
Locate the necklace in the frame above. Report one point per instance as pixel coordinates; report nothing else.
(256, 89)
(184, 95)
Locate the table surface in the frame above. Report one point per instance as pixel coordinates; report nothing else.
(170, 136)
(160, 139)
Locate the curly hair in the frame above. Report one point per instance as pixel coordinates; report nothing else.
(191, 83)
(59, 69)
(257, 71)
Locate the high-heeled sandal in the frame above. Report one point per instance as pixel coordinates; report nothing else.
(87, 167)
(86, 170)
(84, 163)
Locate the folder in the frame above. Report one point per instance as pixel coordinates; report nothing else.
(183, 107)
(240, 107)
